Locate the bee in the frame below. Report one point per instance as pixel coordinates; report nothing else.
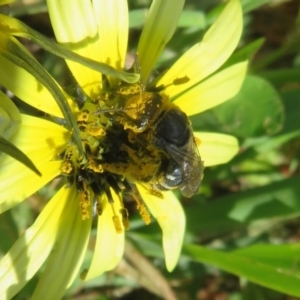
(173, 133)
(159, 140)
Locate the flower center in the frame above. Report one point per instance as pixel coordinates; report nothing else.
(129, 136)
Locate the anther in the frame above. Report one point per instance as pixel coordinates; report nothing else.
(141, 207)
(117, 224)
(125, 220)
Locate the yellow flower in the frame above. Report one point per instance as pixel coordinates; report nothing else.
(99, 30)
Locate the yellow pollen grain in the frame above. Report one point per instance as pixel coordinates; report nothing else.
(144, 214)
(142, 210)
(97, 168)
(66, 168)
(197, 141)
(84, 204)
(117, 224)
(96, 131)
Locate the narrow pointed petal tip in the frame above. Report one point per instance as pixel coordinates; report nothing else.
(171, 218)
(70, 248)
(207, 56)
(109, 244)
(159, 27)
(216, 148)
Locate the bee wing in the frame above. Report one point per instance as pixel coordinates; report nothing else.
(188, 159)
(193, 174)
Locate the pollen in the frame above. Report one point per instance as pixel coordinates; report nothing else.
(67, 167)
(144, 213)
(197, 141)
(117, 223)
(118, 135)
(141, 207)
(85, 202)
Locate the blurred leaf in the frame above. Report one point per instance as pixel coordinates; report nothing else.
(249, 5)
(188, 18)
(8, 231)
(17, 154)
(291, 102)
(244, 53)
(4, 8)
(252, 291)
(256, 110)
(253, 267)
(11, 26)
(192, 18)
(4, 2)
(20, 8)
(137, 17)
(10, 118)
(281, 76)
(280, 256)
(236, 211)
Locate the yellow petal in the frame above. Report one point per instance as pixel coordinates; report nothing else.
(42, 141)
(75, 26)
(72, 21)
(27, 88)
(66, 259)
(207, 56)
(159, 27)
(109, 244)
(215, 90)
(10, 117)
(19, 183)
(30, 251)
(171, 218)
(216, 148)
(112, 19)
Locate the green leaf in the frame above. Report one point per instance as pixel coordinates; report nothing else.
(255, 111)
(280, 256)
(15, 27)
(249, 5)
(192, 18)
(281, 76)
(188, 18)
(10, 118)
(245, 53)
(137, 17)
(8, 231)
(236, 211)
(252, 266)
(291, 102)
(17, 154)
(29, 8)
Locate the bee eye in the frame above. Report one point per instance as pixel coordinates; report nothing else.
(174, 128)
